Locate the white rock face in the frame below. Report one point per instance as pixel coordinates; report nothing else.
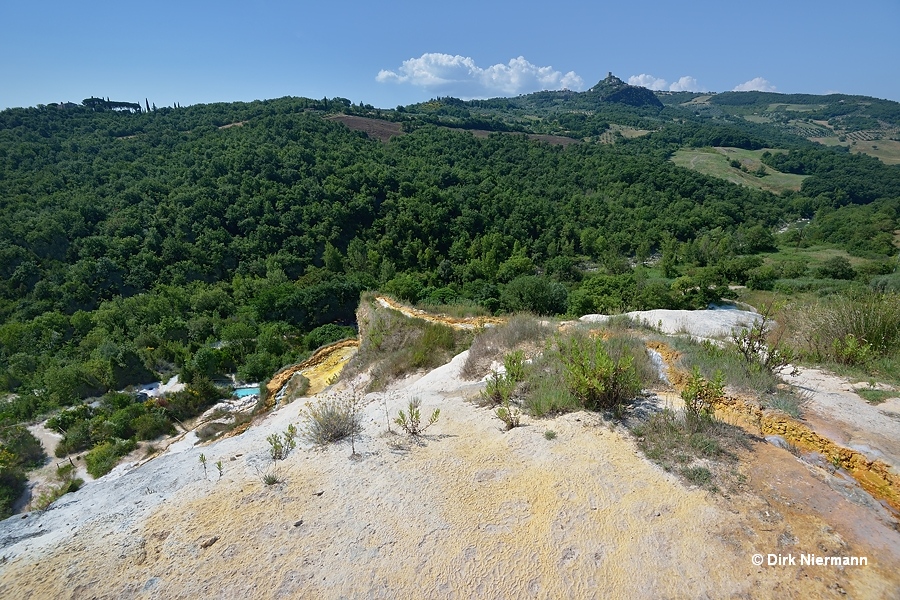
(709, 324)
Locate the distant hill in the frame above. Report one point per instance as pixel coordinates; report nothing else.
(860, 123)
(613, 89)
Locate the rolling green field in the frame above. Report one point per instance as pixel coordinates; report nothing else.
(795, 107)
(609, 136)
(887, 151)
(715, 162)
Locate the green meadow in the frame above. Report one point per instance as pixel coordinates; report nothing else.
(716, 162)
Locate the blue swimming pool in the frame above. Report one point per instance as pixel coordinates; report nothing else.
(240, 393)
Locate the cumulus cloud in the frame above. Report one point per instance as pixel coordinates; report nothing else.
(757, 84)
(459, 76)
(648, 81)
(684, 84)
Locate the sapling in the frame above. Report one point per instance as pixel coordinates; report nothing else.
(412, 423)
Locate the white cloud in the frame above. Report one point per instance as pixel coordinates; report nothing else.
(460, 76)
(648, 81)
(757, 84)
(684, 84)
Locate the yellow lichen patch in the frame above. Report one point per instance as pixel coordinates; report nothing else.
(454, 322)
(323, 373)
(874, 476)
(322, 356)
(603, 334)
(670, 357)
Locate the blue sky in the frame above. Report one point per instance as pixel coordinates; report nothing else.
(393, 53)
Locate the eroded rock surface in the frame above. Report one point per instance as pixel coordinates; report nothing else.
(468, 511)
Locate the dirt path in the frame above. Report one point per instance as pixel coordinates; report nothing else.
(45, 478)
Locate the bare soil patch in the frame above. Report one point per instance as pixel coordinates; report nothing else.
(384, 130)
(375, 128)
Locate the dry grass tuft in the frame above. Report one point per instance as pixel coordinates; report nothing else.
(521, 331)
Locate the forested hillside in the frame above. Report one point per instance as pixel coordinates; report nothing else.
(238, 237)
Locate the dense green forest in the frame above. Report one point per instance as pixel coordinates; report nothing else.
(237, 238)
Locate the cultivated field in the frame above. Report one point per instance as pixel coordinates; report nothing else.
(887, 151)
(376, 128)
(609, 136)
(777, 106)
(385, 130)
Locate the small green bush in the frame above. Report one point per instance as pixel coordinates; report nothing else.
(330, 420)
(76, 439)
(280, 446)
(411, 422)
(500, 387)
(598, 381)
(851, 351)
(63, 421)
(271, 478)
(836, 267)
(549, 396)
(104, 457)
(509, 414)
(580, 372)
(514, 364)
(497, 390)
(151, 425)
(700, 394)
